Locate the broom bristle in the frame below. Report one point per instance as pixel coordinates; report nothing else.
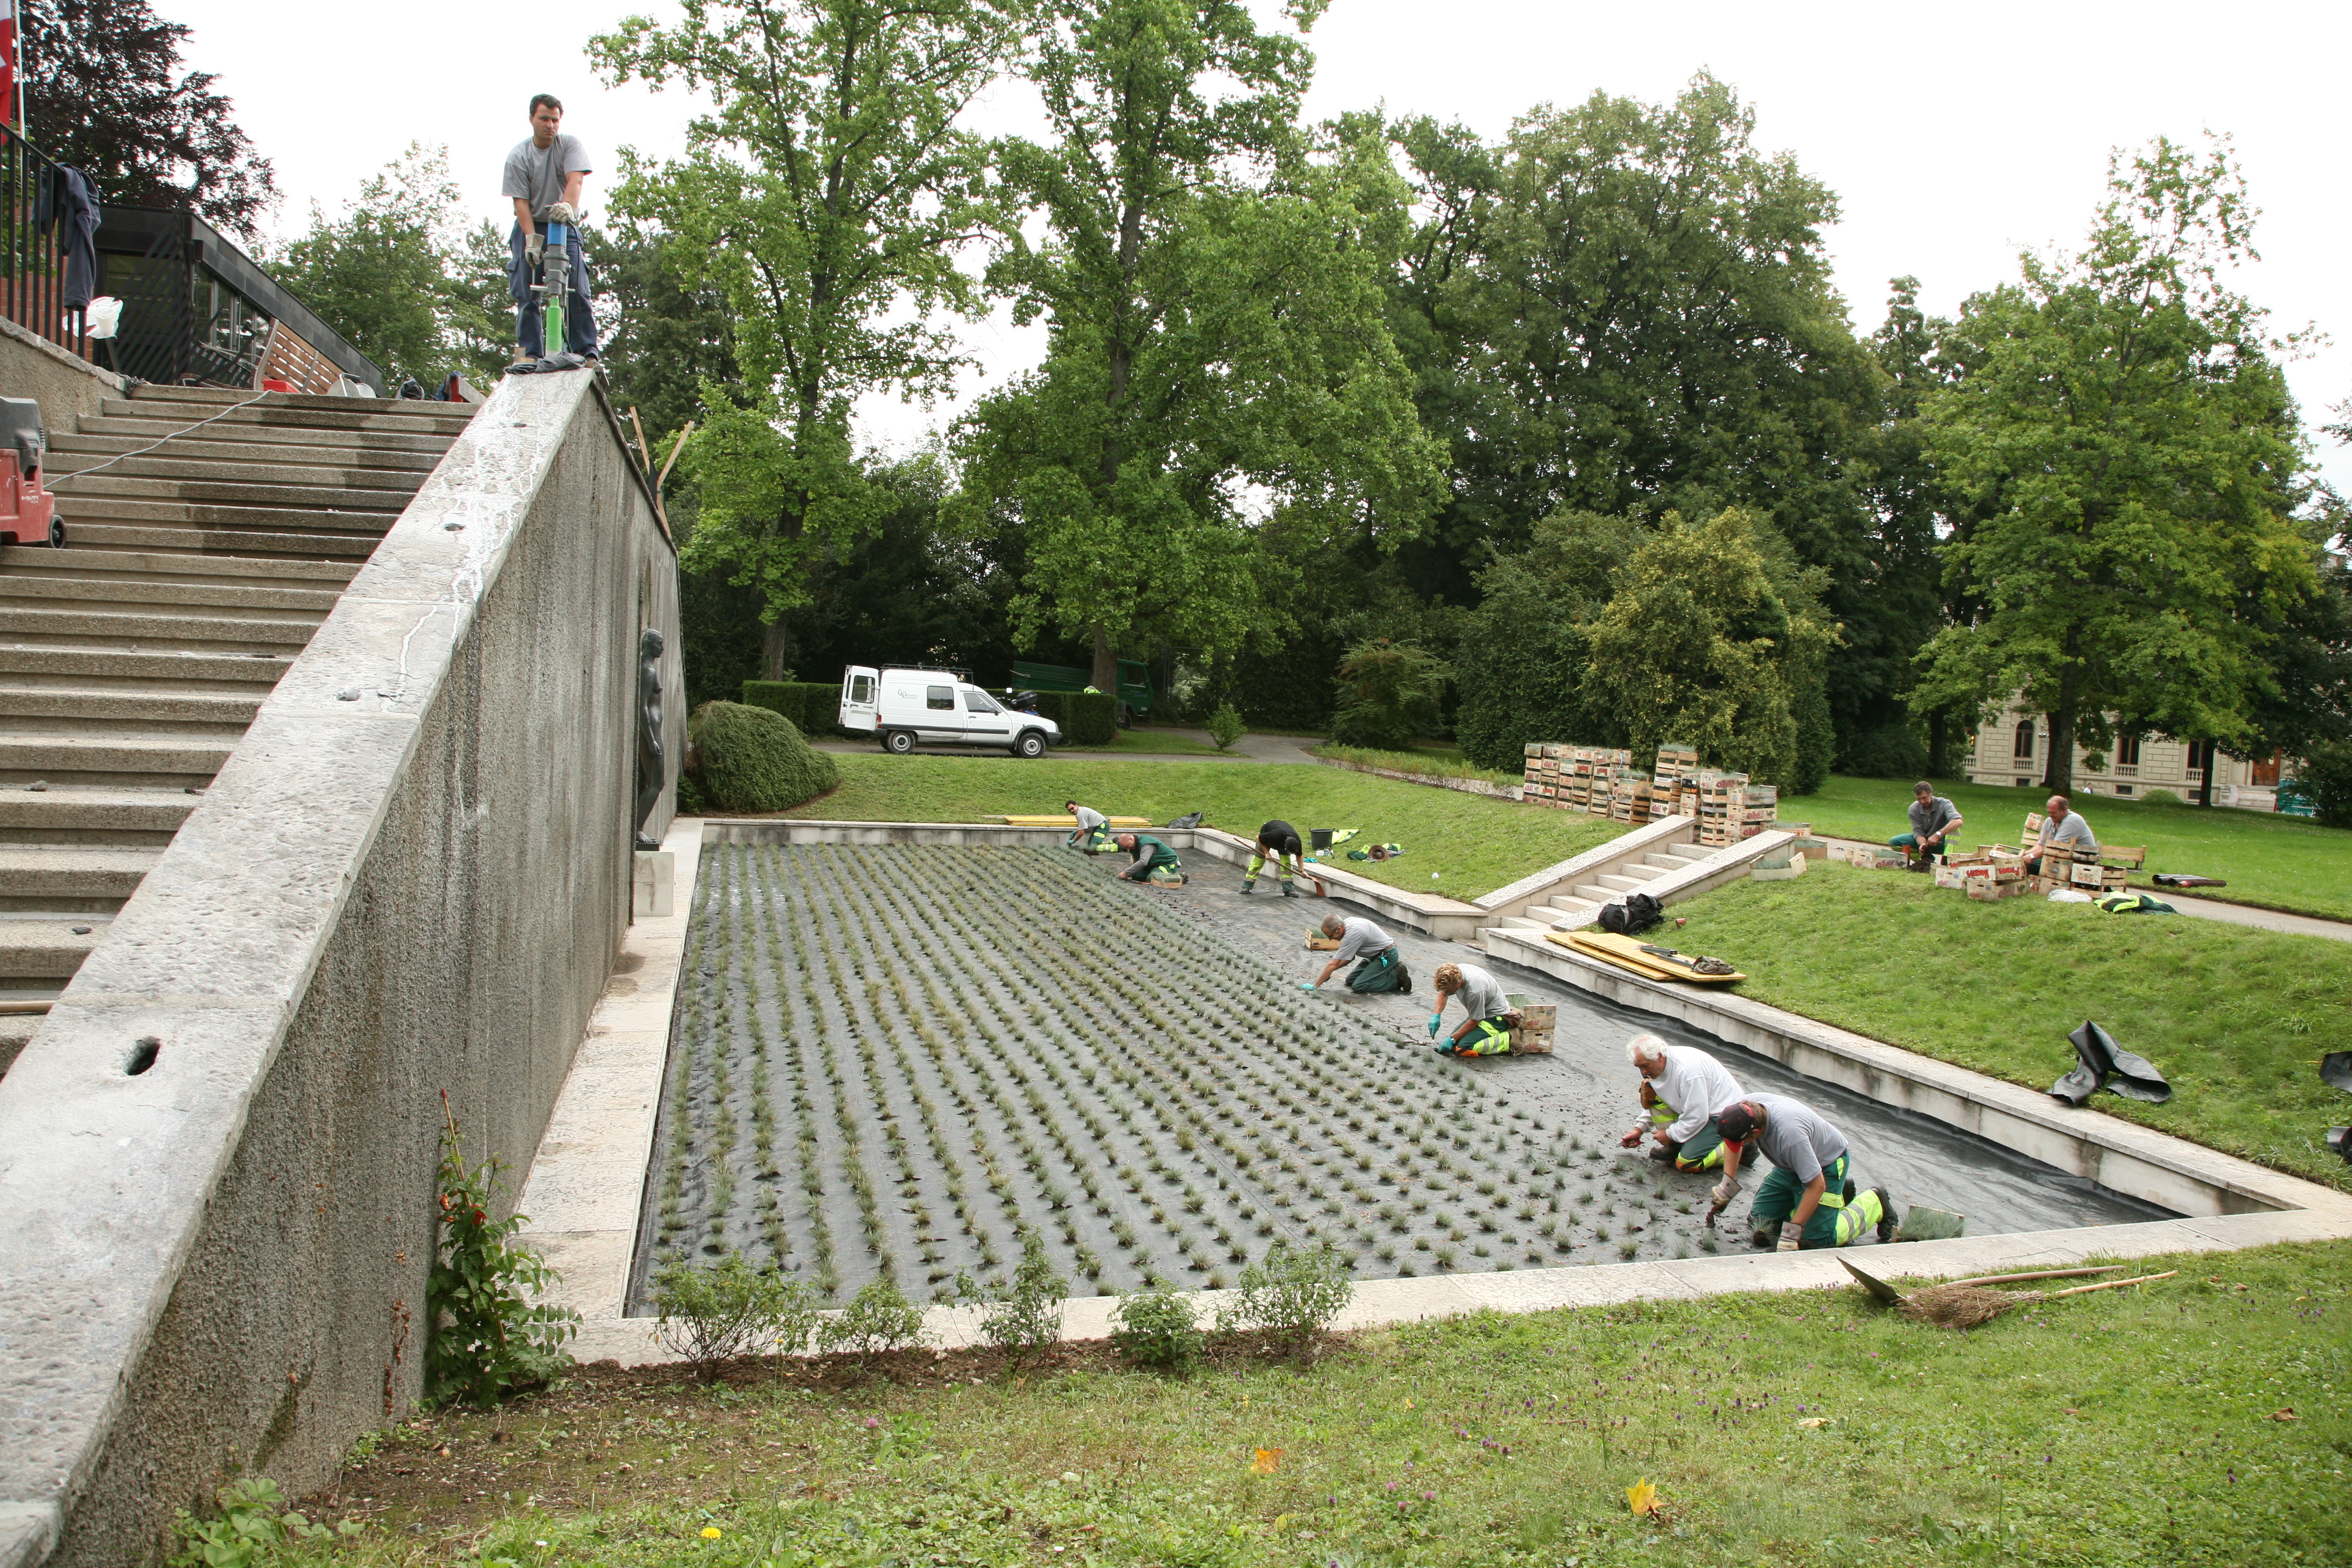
(1963, 1306)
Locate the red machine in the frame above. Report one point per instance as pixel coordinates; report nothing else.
(29, 514)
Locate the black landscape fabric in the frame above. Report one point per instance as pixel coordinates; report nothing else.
(2100, 1063)
(2336, 1070)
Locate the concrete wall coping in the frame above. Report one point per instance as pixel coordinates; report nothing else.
(1518, 895)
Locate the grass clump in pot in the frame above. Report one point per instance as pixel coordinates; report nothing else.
(754, 759)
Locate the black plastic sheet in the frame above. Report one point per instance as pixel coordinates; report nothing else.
(2100, 1063)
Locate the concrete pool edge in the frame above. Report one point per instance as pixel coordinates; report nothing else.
(586, 1186)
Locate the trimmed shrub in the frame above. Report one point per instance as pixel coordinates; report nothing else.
(879, 1317)
(1021, 1316)
(1093, 718)
(1889, 751)
(2160, 797)
(755, 759)
(1225, 727)
(2325, 779)
(813, 707)
(1156, 1328)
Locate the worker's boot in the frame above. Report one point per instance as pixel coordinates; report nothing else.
(1248, 886)
(1287, 891)
(1887, 1218)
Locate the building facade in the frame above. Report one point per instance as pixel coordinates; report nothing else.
(2014, 750)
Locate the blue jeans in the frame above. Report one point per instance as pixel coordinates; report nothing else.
(579, 318)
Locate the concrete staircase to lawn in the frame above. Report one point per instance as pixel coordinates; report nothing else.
(132, 660)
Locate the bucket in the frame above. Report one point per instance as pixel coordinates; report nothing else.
(1318, 838)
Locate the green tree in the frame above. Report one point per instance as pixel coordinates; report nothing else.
(2131, 456)
(824, 197)
(1700, 644)
(1625, 308)
(1388, 693)
(1213, 288)
(391, 271)
(1520, 666)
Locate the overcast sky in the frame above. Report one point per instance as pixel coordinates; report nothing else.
(1953, 136)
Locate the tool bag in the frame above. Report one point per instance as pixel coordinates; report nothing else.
(1637, 914)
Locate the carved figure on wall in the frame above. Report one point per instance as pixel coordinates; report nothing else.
(651, 775)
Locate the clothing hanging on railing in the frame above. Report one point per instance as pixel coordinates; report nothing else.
(71, 197)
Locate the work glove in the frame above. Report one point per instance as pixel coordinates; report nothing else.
(1792, 1236)
(560, 212)
(534, 246)
(1727, 1189)
(1434, 1020)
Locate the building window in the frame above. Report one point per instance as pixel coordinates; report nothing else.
(2127, 750)
(2022, 747)
(2123, 789)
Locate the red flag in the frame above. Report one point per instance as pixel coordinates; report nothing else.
(8, 64)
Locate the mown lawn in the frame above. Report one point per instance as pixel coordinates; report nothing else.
(1458, 845)
(1160, 742)
(2235, 1018)
(2199, 1420)
(2276, 862)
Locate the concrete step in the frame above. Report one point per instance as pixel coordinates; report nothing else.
(87, 450)
(214, 398)
(1617, 884)
(322, 496)
(64, 710)
(16, 1034)
(140, 432)
(1515, 922)
(152, 512)
(72, 564)
(1664, 860)
(115, 760)
(1686, 853)
(224, 542)
(35, 948)
(70, 879)
(1639, 871)
(68, 475)
(18, 589)
(348, 415)
(250, 633)
(70, 815)
(1592, 894)
(96, 669)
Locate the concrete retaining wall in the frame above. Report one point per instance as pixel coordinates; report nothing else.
(410, 879)
(66, 385)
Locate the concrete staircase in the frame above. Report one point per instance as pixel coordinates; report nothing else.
(132, 660)
(1579, 905)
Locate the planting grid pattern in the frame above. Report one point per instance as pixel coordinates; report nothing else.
(894, 1061)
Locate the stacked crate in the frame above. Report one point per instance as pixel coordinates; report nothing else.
(1576, 779)
(1722, 808)
(1629, 796)
(1540, 783)
(1676, 767)
(1536, 1023)
(2094, 878)
(1607, 762)
(1760, 809)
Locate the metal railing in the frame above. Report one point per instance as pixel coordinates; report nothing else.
(33, 236)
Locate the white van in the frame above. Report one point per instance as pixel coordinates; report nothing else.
(910, 707)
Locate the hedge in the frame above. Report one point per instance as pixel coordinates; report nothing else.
(755, 759)
(813, 707)
(1086, 717)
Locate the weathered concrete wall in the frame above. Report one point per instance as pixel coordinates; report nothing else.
(410, 879)
(66, 385)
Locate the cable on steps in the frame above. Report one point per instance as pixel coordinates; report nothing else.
(65, 479)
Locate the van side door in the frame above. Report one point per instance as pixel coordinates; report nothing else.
(984, 723)
(940, 721)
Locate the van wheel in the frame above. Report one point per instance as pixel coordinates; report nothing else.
(1030, 744)
(898, 743)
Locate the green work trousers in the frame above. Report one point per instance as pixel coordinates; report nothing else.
(1383, 971)
(1704, 1149)
(1836, 1222)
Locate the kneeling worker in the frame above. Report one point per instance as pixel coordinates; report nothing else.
(1808, 1194)
(1154, 861)
(1683, 1090)
(1934, 820)
(1088, 834)
(1383, 967)
(1277, 840)
(1487, 1032)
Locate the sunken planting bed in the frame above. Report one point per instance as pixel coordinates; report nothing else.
(892, 1062)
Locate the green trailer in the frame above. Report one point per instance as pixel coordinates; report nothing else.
(1134, 684)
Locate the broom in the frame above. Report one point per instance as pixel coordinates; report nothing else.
(1965, 1304)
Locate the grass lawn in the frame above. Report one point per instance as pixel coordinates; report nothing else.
(2236, 1018)
(2278, 862)
(1472, 844)
(1159, 741)
(2199, 1420)
(1438, 761)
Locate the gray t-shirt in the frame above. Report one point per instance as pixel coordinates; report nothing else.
(536, 174)
(1793, 1138)
(1362, 939)
(1937, 813)
(2074, 830)
(1089, 819)
(1482, 993)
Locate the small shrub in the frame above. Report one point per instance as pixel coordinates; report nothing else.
(1225, 727)
(1156, 1328)
(718, 1312)
(253, 1524)
(879, 1318)
(754, 759)
(1022, 1316)
(2160, 797)
(1292, 1293)
(485, 1338)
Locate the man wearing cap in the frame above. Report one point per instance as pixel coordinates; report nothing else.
(1382, 966)
(1808, 1195)
(1682, 1087)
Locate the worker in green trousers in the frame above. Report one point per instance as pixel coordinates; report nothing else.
(1808, 1197)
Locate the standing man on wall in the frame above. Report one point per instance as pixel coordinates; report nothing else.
(544, 175)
